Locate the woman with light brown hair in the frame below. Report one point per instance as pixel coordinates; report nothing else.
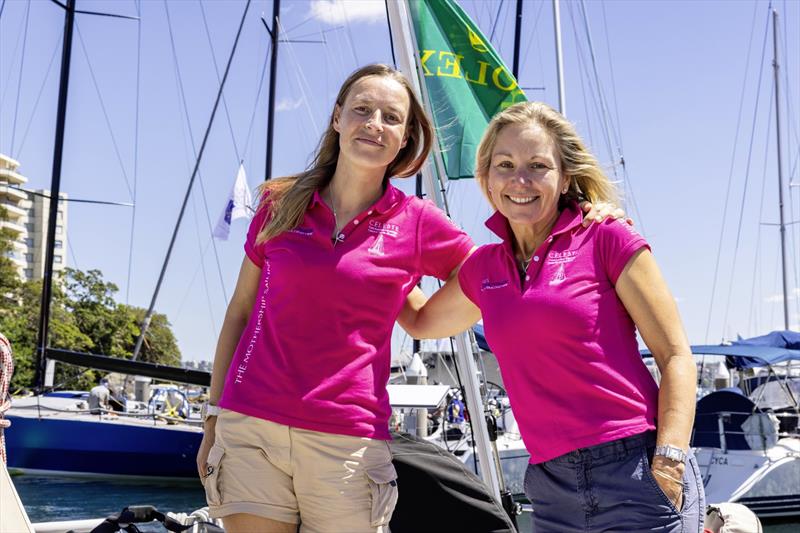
(561, 305)
(297, 425)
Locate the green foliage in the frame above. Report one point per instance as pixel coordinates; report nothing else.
(84, 317)
(9, 280)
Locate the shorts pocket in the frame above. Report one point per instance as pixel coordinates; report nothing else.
(382, 482)
(211, 479)
(651, 478)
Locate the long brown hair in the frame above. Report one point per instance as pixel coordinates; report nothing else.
(587, 181)
(287, 198)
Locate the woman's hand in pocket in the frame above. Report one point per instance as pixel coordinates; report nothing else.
(669, 476)
(205, 446)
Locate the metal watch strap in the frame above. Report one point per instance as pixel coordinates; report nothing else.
(671, 452)
(210, 410)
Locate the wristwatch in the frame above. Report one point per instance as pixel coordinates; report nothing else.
(671, 452)
(209, 410)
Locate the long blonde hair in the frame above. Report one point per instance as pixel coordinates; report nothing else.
(587, 181)
(287, 198)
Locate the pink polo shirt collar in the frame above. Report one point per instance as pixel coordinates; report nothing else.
(391, 197)
(571, 217)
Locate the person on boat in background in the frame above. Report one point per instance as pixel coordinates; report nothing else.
(302, 363)
(561, 304)
(100, 397)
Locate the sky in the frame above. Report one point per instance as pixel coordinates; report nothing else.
(687, 86)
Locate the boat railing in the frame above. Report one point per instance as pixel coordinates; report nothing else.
(110, 413)
(729, 426)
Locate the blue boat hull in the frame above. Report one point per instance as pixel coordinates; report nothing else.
(101, 448)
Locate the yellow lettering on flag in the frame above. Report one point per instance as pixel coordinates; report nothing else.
(496, 79)
(481, 75)
(424, 57)
(449, 64)
(476, 42)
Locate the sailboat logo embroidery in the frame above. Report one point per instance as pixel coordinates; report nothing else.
(377, 246)
(559, 277)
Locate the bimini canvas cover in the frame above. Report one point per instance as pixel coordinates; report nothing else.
(438, 493)
(769, 349)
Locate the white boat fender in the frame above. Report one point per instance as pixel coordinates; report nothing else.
(731, 518)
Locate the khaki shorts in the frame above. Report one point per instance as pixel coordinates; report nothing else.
(322, 481)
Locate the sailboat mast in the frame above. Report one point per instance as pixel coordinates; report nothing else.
(562, 99)
(55, 191)
(408, 61)
(776, 69)
(517, 35)
(273, 70)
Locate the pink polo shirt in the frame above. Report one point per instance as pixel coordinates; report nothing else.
(316, 351)
(565, 343)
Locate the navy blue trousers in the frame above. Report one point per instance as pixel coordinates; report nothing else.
(609, 487)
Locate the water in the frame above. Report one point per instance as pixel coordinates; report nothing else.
(49, 499)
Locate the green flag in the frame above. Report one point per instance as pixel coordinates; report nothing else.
(467, 82)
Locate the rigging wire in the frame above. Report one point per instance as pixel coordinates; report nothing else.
(496, 19)
(349, 34)
(2, 8)
(391, 37)
(7, 84)
(138, 4)
(757, 254)
(533, 31)
(733, 158)
(194, 150)
(103, 108)
(595, 78)
(216, 70)
(256, 99)
(19, 78)
(746, 181)
(586, 110)
(193, 279)
(610, 56)
(39, 95)
(203, 267)
(302, 82)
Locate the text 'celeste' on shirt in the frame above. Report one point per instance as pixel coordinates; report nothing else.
(384, 228)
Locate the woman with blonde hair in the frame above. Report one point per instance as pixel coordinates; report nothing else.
(561, 304)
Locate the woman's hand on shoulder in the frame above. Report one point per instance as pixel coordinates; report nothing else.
(599, 211)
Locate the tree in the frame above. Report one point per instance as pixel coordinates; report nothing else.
(9, 277)
(22, 325)
(84, 317)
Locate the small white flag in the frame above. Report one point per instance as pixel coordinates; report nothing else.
(238, 206)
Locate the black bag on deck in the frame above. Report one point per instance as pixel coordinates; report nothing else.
(438, 493)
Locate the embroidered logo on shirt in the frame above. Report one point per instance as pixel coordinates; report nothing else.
(384, 228)
(377, 246)
(559, 277)
(560, 259)
(305, 232)
(487, 285)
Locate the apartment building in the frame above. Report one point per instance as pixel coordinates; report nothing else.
(26, 216)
